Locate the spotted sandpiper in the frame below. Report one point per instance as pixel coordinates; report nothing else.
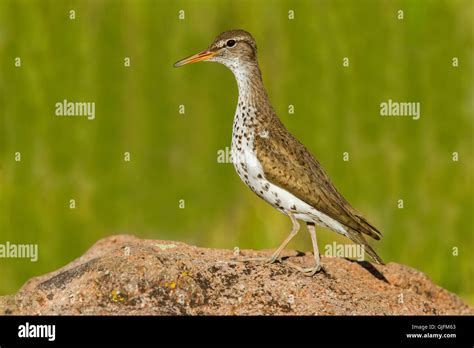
(276, 166)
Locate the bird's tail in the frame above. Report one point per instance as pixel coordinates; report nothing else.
(366, 227)
(359, 239)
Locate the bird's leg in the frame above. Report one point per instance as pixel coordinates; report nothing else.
(317, 266)
(274, 257)
(294, 231)
(317, 261)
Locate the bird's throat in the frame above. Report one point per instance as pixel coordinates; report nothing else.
(250, 84)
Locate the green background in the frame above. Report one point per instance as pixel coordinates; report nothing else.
(174, 156)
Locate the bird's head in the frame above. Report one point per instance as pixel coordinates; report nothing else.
(233, 48)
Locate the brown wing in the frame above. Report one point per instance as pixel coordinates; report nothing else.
(288, 164)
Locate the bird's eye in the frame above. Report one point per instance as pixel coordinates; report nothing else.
(230, 43)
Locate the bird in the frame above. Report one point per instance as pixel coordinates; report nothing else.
(273, 163)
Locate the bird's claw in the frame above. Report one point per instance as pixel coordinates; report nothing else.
(309, 271)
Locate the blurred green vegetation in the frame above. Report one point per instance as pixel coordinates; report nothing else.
(174, 156)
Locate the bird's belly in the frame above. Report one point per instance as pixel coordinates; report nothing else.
(250, 170)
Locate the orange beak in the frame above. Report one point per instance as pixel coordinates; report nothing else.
(198, 57)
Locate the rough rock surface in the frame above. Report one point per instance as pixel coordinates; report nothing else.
(130, 276)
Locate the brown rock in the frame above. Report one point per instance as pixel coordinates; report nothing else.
(130, 276)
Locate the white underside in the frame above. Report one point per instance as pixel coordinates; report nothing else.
(288, 203)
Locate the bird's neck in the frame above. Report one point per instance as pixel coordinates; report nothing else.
(253, 106)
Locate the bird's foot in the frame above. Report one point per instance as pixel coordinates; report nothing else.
(272, 259)
(306, 271)
(266, 260)
(247, 259)
(254, 259)
(263, 260)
